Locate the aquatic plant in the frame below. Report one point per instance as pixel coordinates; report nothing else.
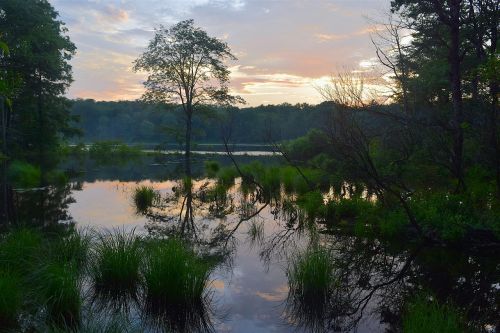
(116, 261)
(256, 232)
(10, 298)
(174, 274)
(19, 249)
(144, 197)
(59, 287)
(424, 314)
(73, 247)
(311, 275)
(311, 203)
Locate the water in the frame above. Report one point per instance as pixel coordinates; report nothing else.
(250, 291)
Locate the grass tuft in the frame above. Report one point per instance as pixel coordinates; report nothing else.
(116, 261)
(311, 276)
(60, 289)
(10, 299)
(174, 275)
(144, 197)
(425, 315)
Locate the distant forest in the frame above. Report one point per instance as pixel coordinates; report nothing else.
(136, 122)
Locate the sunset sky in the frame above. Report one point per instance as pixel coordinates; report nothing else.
(285, 47)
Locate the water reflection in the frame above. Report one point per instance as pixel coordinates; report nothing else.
(255, 241)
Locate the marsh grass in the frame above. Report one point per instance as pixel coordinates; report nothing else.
(116, 261)
(144, 197)
(426, 315)
(59, 287)
(73, 248)
(311, 276)
(256, 232)
(19, 250)
(174, 275)
(10, 298)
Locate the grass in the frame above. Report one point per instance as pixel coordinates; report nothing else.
(144, 197)
(116, 261)
(212, 168)
(60, 289)
(10, 298)
(424, 315)
(73, 248)
(311, 276)
(19, 249)
(174, 275)
(256, 232)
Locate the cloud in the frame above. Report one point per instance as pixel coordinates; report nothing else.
(283, 47)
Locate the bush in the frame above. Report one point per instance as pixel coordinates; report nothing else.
(212, 168)
(23, 174)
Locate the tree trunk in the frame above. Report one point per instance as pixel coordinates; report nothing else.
(494, 92)
(188, 143)
(456, 94)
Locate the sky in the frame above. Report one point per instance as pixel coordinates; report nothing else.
(285, 48)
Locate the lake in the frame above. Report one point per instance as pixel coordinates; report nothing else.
(249, 289)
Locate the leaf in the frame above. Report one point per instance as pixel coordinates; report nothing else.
(4, 48)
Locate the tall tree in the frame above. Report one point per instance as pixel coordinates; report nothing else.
(186, 66)
(443, 20)
(39, 58)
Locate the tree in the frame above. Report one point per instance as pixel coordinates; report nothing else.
(443, 21)
(38, 60)
(186, 66)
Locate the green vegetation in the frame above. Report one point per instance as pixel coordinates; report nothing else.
(60, 290)
(144, 197)
(10, 298)
(23, 174)
(311, 276)
(424, 315)
(174, 275)
(116, 261)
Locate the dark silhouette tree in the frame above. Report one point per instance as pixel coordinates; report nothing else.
(186, 66)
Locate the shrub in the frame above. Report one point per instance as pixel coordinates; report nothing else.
(312, 203)
(23, 174)
(212, 168)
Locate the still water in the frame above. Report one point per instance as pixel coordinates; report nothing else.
(249, 291)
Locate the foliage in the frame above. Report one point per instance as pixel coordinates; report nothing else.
(23, 174)
(10, 298)
(426, 315)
